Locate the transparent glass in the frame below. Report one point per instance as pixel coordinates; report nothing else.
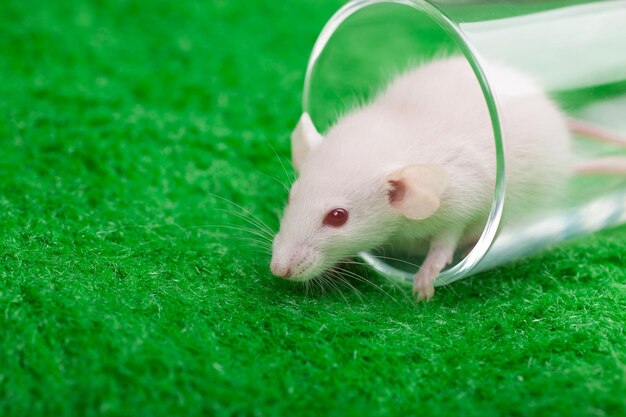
(575, 50)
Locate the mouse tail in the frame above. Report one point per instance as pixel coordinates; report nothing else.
(608, 165)
(614, 165)
(590, 130)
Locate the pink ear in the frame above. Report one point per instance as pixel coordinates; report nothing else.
(416, 190)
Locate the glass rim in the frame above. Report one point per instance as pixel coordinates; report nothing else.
(465, 266)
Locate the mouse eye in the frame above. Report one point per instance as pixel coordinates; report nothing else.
(336, 217)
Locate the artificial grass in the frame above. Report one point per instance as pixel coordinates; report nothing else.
(119, 123)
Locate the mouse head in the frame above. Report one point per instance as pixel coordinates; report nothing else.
(336, 210)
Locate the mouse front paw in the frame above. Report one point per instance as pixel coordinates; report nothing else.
(423, 286)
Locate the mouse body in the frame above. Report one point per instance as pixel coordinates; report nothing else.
(416, 168)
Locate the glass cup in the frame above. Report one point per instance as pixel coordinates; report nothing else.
(576, 52)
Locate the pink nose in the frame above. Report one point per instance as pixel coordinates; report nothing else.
(283, 271)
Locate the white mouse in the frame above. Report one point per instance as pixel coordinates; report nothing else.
(417, 165)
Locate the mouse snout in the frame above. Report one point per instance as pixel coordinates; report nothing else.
(292, 263)
(279, 269)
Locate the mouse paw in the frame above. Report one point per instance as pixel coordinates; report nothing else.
(423, 285)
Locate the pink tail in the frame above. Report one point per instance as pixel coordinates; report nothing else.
(592, 131)
(608, 165)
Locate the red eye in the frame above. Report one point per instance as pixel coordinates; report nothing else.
(336, 217)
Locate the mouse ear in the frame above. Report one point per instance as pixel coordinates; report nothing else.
(304, 138)
(416, 190)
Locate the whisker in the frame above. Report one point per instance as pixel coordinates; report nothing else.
(320, 282)
(398, 260)
(261, 244)
(392, 282)
(337, 289)
(241, 229)
(273, 178)
(260, 252)
(245, 210)
(346, 283)
(250, 221)
(451, 288)
(251, 246)
(365, 281)
(291, 180)
(351, 262)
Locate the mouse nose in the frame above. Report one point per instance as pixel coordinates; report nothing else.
(280, 270)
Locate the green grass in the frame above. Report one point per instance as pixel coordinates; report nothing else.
(119, 121)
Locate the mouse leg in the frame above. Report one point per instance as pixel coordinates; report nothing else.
(439, 255)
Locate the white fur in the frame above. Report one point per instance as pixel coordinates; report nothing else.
(435, 114)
